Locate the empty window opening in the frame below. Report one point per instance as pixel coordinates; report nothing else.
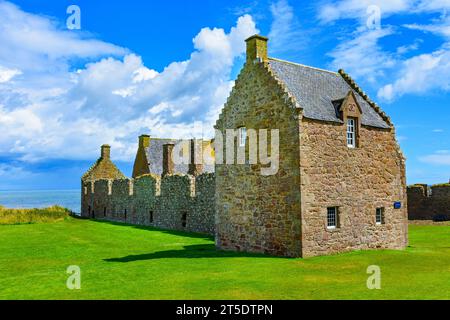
(332, 217)
(104, 211)
(151, 216)
(125, 213)
(184, 219)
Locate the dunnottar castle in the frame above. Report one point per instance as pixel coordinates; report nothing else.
(338, 182)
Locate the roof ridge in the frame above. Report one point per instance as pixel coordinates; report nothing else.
(358, 89)
(304, 65)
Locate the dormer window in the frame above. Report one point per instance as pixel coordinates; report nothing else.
(351, 132)
(242, 136)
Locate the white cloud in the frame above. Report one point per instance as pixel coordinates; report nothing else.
(285, 33)
(438, 158)
(362, 55)
(357, 9)
(114, 98)
(420, 74)
(331, 11)
(7, 74)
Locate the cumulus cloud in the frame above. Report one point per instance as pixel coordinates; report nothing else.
(420, 74)
(51, 111)
(364, 57)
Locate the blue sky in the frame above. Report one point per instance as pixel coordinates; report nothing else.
(163, 67)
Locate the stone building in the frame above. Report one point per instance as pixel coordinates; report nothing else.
(429, 202)
(160, 194)
(340, 183)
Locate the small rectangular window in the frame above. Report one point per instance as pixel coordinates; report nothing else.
(379, 216)
(332, 217)
(125, 214)
(242, 136)
(104, 211)
(351, 133)
(151, 216)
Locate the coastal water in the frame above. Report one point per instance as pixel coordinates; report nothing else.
(69, 199)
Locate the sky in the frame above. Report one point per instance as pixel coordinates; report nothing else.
(165, 68)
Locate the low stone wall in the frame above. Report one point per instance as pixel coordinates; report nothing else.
(429, 203)
(173, 202)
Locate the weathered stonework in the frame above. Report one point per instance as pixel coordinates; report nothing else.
(173, 202)
(429, 202)
(285, 213)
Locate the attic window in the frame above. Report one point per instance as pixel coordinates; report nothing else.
(242, 136)
(351, 132)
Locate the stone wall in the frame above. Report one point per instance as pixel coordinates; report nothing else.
(174, 202)
(429, 202)
(254, 212)
(357, 181)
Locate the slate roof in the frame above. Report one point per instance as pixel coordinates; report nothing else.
(319, 92)
(154, 155)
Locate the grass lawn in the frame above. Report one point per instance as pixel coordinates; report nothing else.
(129, 262)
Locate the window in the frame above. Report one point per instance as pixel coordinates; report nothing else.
(351, 132)
(379, 216)
(184, 219)
(125, 214)
(104, 211)
(242, 136)
(151, 216)
(332, 217)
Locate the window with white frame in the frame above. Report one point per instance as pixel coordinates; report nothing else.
(379, 216)
(332, 217)
(242, 136)
(351, 132)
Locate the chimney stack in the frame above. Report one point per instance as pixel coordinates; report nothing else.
(144, 141)
(106, 151)
(196, 161)
(257, 48)
(167, 159)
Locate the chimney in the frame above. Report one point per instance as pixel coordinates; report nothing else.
(257, 48)
(106, 151)
(144, 141)
(167, 159)
(196, 161)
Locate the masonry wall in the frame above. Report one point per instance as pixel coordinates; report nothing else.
(173, 202)
(259, 213)
(429, 203)
(357, 181)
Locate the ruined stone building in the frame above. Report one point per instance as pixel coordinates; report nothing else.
(429, 202)
(339, 182)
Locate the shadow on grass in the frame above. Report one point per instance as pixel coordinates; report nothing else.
(148, 228)
(190, 252)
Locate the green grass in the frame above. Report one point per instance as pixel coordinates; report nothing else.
(129, 262)
(29, 216)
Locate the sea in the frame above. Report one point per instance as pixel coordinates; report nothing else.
(69, 199)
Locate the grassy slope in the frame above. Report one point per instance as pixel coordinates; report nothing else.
(127, 262)
(29, 216)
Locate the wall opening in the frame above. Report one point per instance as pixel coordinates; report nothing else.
(104, 211)
(184, 219)
(125, 214)
(151, 216)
